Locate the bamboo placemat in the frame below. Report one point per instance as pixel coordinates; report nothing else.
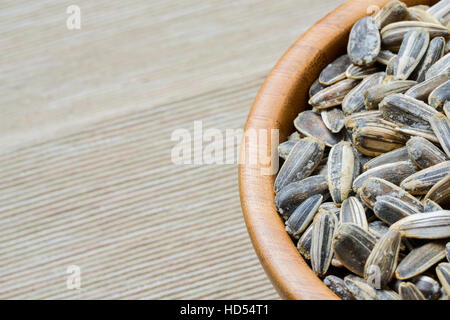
(87, 115)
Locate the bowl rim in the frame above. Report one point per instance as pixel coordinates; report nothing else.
(282, 95)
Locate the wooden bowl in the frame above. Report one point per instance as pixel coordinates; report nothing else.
(282, 96)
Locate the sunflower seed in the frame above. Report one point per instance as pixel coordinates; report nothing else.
(418, 14)
(434, 52)
(354, 100)
(364, 42)
(352, 211)
(304, 243)
(408, 291)
(374, 137)
(441, 128)
(301, 162)
(364, 291)
(382, 260)
(352, 246)
(350, 120)
(315, 87)
(392, 35)
(415, 132)
(338, 286)
(373, 96)
(430, 206)
(439, 96)
(292, 195)
(429, 287)
(374, 187)
(439, 67)
(447, 108)
(447, 47)
(295, 136)
(333, 95)
(443, 273)
(324, 225)
(394, 172)
(343, 167)
(392, 12)
(400, 154)
(378, 228)
(330, 207)
(407, 111)
(384, 56)
(441, 11)
(422, 181)
(428, 225)
(422, 90)
(391, 68)
(423, 153)
(311, 124)
(420, 259)
(285, 147)
(447, 251)
(333, 119)
(360, 72)
(412, 49)
(440, 192)
(303, 215)
(390, 209)
(335, 71)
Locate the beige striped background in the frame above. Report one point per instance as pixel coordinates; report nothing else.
(86, 176)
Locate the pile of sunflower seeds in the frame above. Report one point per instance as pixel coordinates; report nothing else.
(365, 186)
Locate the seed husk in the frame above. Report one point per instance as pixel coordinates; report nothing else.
(375, 137)
(384, 56)
(285, 147)
(412, 49)
(335, 71)
(295, 136)
(439, 96)
(439, 67)
(390, 209)
(373, 96)
(440, 192)
(423, 180)
(400, 154)
(419, 14)
(427, 225)
(324, 225)
(333, 119)
(434, 52)
(311, 124)
(338, 286)
(352, 211)
(422, 90)
(333, 95)
(350, 120)
(292, 195)
(301, 162)
(360, 72)
(392, 34)
(343, 167)
(394, 172)
(382, 260)
(440, 11)
(441, 128)
(429, 287)
(352, 246)
(364, 42)
(303, 215)
(447, 108)
(420, 259)
(443, 273)
(407, 111)
(315, 87)
(374, 187)
(304, 243)
(392, 12)
(423, 153)
(354, 100)
(447, 251)
(430, 206)
(408, 291)
(391, 68)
